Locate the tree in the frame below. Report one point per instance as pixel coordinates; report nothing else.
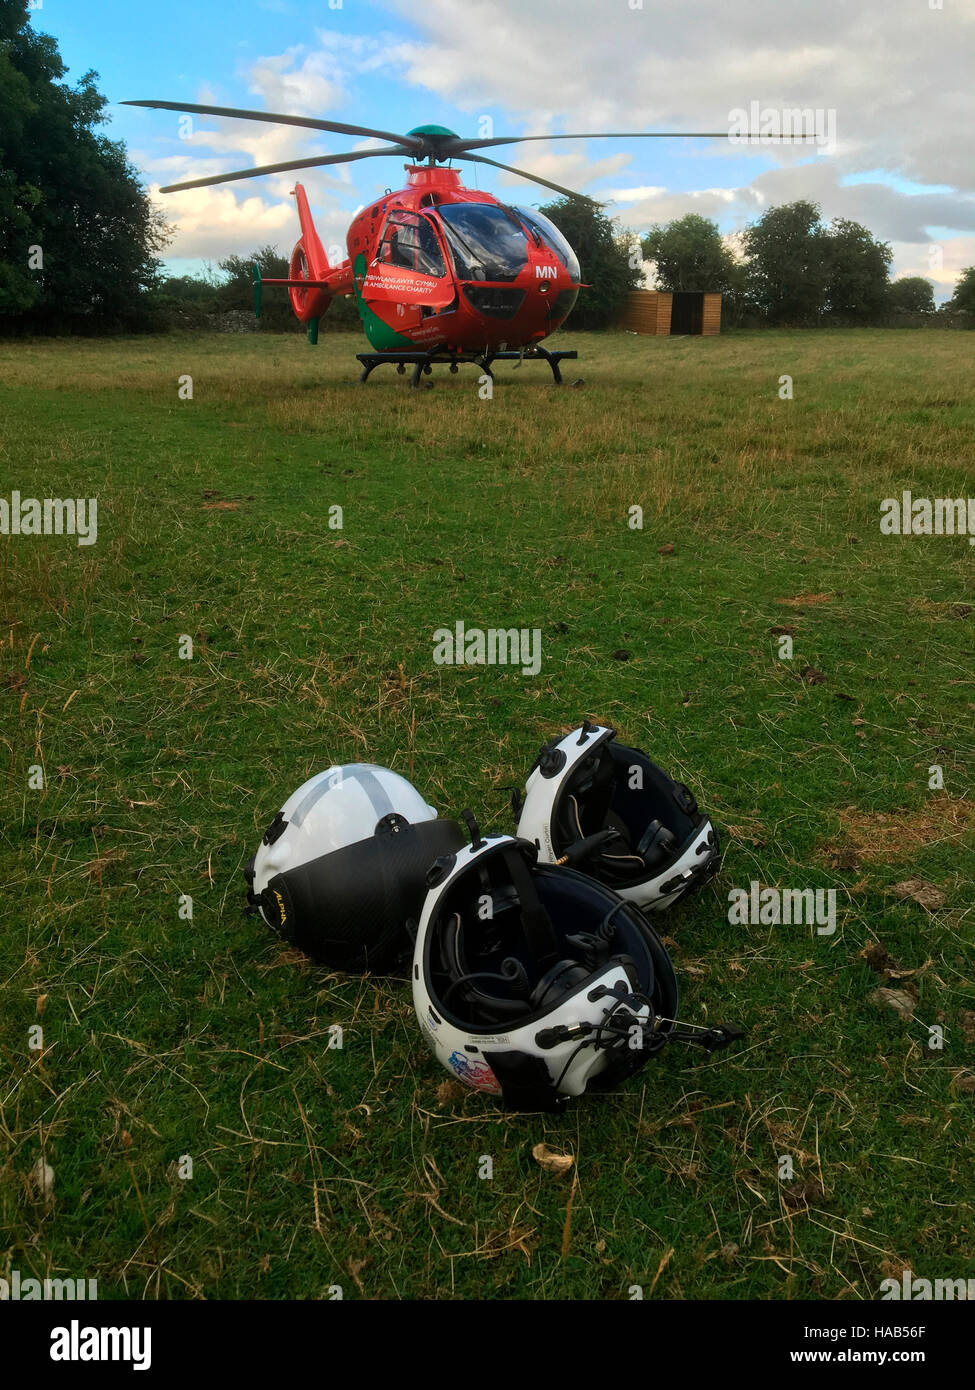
(237, 292)
(857, 273)
(78, 236)
(604, 255)
(787, 253)
(689, 254)
(963, 298)
(911, 294)
(184, 301)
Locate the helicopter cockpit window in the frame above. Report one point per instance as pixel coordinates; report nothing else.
(537, 222)
(410, 242)
(486, 242)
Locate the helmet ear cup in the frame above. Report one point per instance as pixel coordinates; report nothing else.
(516, 975)
(557, 981)
(656, 843)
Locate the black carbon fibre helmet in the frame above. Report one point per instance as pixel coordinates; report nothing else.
(341, 868)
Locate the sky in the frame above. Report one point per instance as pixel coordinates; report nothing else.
(892, 81)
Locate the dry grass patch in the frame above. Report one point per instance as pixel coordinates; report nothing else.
(885, 835)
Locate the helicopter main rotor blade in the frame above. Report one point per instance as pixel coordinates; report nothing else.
(274, 118)
(282, 168)
(522, 173)
(461, 145)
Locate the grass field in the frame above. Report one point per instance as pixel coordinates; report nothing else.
(358, 1168)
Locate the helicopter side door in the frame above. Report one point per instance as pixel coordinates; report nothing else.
(409, 269)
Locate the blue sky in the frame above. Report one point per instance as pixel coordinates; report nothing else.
(893, 73)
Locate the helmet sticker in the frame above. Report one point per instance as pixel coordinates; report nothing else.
(337, 777)
(476, 1074)
(374, 789)
(320, 787)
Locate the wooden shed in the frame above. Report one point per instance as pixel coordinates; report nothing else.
(660, 313)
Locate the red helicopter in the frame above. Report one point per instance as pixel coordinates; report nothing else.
(440, 272)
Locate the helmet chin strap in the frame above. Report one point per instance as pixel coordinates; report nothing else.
(539, 931)
(540, 937)
(596, 782)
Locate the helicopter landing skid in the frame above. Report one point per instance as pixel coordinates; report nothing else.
(423, 362)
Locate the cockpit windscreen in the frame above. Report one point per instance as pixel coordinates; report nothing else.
(486, 241)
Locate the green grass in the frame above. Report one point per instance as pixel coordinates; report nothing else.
(164, 1037)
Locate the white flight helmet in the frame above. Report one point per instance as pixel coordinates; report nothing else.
(593, 802)
(341, 868)
(534, 983)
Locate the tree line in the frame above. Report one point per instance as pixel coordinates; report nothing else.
(792, 269)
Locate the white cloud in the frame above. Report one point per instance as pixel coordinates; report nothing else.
(573, 170)
(634, 195)
(940, 262)
(898, 76)
(301, 91)
(213, 223)
(228, 219)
